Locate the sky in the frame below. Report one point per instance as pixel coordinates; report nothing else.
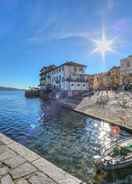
(36, 33)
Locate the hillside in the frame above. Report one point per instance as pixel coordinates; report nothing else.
(2, 88)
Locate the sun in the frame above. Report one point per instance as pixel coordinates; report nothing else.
(103, 46)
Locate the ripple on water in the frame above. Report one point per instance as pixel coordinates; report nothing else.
(66, 138)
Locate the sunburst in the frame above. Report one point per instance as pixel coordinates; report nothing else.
(103, 46)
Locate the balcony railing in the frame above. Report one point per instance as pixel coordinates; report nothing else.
(76, 80)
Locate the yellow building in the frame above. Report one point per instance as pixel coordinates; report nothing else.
(107, 80)
(115, 77)
(98, 82)
(126, 71)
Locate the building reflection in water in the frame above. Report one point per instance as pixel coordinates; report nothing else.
(71, 140)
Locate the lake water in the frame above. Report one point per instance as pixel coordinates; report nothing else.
(66, 138)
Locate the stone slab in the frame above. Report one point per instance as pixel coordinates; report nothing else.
(14, 161)
(24, 152)
(5, 139)
(7, 180)
(7, 154)
(3, 170)
(40, 178)
(22, 181)
(3, 148)
(22, 171)
(60, 176)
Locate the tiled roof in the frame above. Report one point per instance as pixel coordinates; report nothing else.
(53, 67)
(72, 63)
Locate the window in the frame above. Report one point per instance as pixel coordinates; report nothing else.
(81, 69)
(128, 64)
(62, 79)
(75, 69)
(83, 85)
(78, 85)
(72, 84)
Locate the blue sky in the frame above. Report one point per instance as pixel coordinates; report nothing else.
(35, 33)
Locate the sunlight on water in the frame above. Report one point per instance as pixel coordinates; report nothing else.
(32, 126)
(68, 139)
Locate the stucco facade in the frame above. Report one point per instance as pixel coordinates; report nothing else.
(126, 70)
(69, 77)
(110, 79)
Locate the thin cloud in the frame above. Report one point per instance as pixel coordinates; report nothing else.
(67, 35)
(51, 32)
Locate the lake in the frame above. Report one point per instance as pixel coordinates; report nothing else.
(68, 139)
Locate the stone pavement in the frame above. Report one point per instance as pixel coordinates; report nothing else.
(19, 165)
(115, 108)
(112, 107)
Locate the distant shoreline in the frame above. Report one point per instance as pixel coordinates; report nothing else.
(10, 89)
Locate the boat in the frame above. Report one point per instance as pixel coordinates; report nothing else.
(32, 92)
(116, 156)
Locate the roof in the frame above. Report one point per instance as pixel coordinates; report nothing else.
(48, 67)
(127, 58)
(54, 67)
(72, 63)
(115, 68)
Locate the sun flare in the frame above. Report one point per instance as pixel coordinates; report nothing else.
(103, 46)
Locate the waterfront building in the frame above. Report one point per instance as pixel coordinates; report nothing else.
(115, 77)
(97, 81)
(69, 76)
(90, 80)
(107, 80)
(45, 78)
(126, 70)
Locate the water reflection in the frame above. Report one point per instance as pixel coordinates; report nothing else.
(68, 139)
